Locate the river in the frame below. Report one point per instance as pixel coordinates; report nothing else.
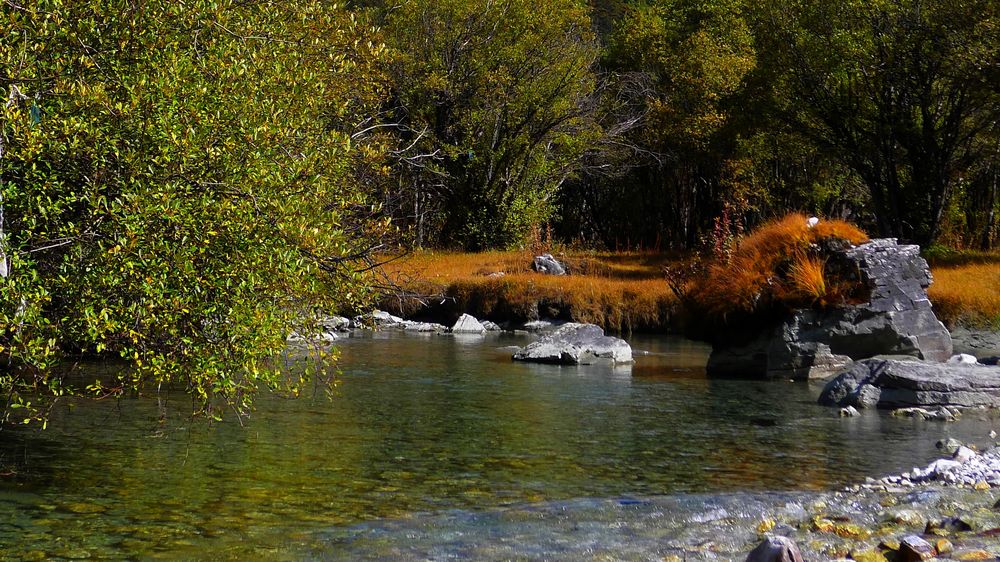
(434, 445)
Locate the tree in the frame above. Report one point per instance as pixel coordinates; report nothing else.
(176, 189)
(492, 98)
(695, 55)
(898, 90)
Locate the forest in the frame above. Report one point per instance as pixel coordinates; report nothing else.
(183, 185)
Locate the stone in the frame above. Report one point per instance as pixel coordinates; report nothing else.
(335, 323)
(376, 319)
(423, 327)
(775, 549)
(536, 326)
(467, 324)
(913, 548)
(981, 344)
(491, 326)
(849, 412)
(963, 455)
(576, 344)
(949, 446)
(547, 264)
(886, 383)
(897, 319)
(963, 358)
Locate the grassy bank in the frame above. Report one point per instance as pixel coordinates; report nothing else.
(620, 291)
(966, 289)
(627, 291)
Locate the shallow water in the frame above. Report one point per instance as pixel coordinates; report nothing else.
(440, 433)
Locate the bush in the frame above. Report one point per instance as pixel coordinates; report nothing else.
(782, 264)
(176, 188)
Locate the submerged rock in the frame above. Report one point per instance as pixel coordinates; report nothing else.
(886, 383)
(775, 549)
(576, 344)
(913, 548)
(897, 319)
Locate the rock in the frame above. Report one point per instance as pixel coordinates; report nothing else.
(377, 319)
(949, 445)
(896, 320)
(335, 323)
(849, 412)
(491, 326)
(576, 344)
(424, 327)
(963, 455)
(884, 383)
(467, 324)
(913, 548)
(963, 358)
(775, 549)
(908, 517)
(536, 326)
(547, 264)
(978, 343)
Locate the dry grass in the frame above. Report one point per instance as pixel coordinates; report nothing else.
(774, 264)
(621, 292)
(968, 293)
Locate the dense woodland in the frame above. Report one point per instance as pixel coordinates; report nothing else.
(182, 185)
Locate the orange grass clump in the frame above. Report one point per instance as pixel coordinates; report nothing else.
(775, 263)
(808, 277)
(619, 291)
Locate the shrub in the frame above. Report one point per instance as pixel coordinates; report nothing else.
(782, 264)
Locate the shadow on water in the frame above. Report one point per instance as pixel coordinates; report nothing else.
(428, 424)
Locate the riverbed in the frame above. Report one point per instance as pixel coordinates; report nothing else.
(439, 447)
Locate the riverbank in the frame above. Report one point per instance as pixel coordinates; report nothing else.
(624, 292)
(621, 292)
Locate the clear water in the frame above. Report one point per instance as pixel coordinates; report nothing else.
(436, 433)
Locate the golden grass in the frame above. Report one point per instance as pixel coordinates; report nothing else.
(773, 264)
(619, 291)
(967, 294)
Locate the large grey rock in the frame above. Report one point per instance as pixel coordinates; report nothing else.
(467, 324)
(978, 343)
(888, 383)
(576, 344)
(545, 263)
(775, 549)
(897, 319)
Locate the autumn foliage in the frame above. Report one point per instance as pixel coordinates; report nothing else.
(783, 263)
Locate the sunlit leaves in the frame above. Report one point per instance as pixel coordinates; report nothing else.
(174, 185)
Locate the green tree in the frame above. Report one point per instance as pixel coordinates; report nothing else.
(695, 55)
(493, 100)
(176, 189)
(898, 90)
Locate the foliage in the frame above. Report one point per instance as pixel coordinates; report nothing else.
(781, 264)
(901, 91)
(177, 189)
(492, 101)
(682, 63)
